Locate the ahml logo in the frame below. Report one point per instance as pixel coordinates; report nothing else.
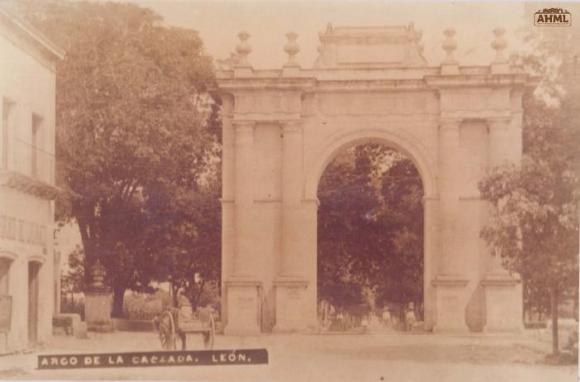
(554, 17)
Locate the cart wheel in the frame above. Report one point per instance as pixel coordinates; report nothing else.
(208, 337)
(167, 331)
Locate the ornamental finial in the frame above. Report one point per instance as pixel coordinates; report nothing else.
(291, 48)
(449, 46)
(499, 44)
(243, 49)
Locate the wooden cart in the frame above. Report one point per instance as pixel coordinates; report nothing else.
(172, 325)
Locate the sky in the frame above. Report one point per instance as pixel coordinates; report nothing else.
(219, 22)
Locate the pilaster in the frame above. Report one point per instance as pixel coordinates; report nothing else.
(503, 294)
(450, 282)
(291, 196)
(291, 285)
(243, 291)
(449, 187)
(430, 245)
(500, 142)
(244, 166)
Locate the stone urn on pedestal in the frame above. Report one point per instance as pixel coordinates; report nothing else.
(98, 301)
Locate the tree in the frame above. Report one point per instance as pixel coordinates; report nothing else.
(184, 231)
(370, 229)
(346, 198)
(134, 145)
(534, 226)
(73, 280)
(402, 217)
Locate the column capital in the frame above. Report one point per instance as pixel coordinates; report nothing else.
(314, 201)
(243, 126)
(291, 126)
(449, 123)
(498, 122)
(429, 199)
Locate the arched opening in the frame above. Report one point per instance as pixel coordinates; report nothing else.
(370, 245)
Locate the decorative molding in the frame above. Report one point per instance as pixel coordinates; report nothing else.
(395, 138)
(374, 104)
(499, 122)
(470, 198)
(314, 200)
(499, 281)
(286, 281)
(450, 123)
(36, 259)
(29, 40)
(242, 282)
(7, 254)
(29, 185)
(270, 201)
(450, 281)
(291, 126)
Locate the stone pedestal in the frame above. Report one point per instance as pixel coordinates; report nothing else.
(98, 301)
(98, 306)
(449, 300)
(290, 303)
(243, 298)
(503, 303)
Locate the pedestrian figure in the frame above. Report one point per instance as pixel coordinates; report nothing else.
(410, 317)
(386, 317)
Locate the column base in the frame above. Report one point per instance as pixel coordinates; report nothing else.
(243, 297)
(450, 304)
(290, 305)
(503, 303)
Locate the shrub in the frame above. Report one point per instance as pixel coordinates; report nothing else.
(140, 306)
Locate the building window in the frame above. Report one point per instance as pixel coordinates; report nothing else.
(7, 115)
(36, 144)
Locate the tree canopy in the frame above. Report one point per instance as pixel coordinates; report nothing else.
(535, 226)
(370, 229)
(136, 140)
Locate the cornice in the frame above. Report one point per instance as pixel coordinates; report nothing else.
(21, 34)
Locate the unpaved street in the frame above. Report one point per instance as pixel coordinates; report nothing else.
(377, 357)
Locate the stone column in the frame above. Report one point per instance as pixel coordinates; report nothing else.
(242, 289)
(228, 233)
(244, 197)
(291, 195)
(449, 188)
(291, 284)
(430, 207)
(503, 293)
(450, 282)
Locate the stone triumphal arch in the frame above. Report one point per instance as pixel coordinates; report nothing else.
(282, 127)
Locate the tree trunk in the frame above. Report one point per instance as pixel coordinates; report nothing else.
(554, 309)
(174, 295)
(118, 297)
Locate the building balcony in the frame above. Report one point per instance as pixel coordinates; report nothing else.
(28, 169)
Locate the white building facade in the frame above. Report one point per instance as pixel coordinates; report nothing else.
(27, 184)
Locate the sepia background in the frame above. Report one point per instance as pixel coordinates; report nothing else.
(107, 109)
